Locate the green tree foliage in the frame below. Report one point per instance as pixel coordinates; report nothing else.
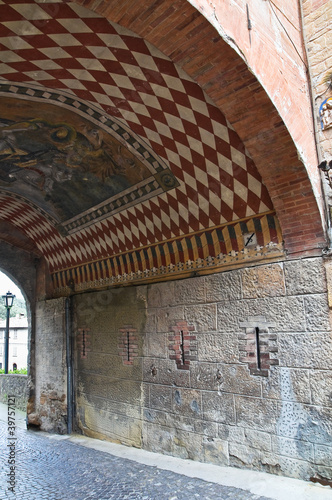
(19, 307)
(21, 371)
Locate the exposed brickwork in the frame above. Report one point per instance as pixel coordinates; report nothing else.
(128, 344)
(183, 345)
(256, 346)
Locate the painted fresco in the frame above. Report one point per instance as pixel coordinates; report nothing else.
(61, 160)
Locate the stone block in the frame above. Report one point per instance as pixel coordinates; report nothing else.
(231, 433)
(145, 397)
(258, 439)
(328, 269)
(187, 402)
(230, 314)
(152, 415)
(218, 348)
(97, 402)
(203, 317)
(110, 310)
(125, 391)
(242, 455)
(100, 342)
(129, 410)
(51, 308)
(293, 448)
(187, 445)
(317, 313)
(323, 455)
(256, 413)
(190, 291)
(305, 276)
(292, 421)
(321, 387)
(166, 318)
(165, 372)
(96, 385)
(292, 467)
(263, 281)
(157, 438)
(215, 451)
(99, 421)
(172, 441)
(135, 432)
(305, 422)
(111, 366)
(150, 322)
(305, 350)
(287, 384)
(156, 345)
(286, 313)
(161, 397)
(196, 425)
(218, 407)
(223, 287)
(236, 379)
(161, 295)
(121, 424)
(204, 376)
(177, 421)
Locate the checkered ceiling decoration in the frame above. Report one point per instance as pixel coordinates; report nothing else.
(66, 48)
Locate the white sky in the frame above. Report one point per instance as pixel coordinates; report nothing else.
(6, 285)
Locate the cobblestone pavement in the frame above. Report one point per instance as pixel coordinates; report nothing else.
(60, 470)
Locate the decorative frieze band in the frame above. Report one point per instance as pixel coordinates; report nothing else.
(223, 246)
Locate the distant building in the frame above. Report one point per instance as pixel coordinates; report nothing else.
(18, 343)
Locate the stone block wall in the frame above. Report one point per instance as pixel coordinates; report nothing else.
(232, 368)
(16, 385)
(109, 333)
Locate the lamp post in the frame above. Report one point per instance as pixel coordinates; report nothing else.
(8, 300)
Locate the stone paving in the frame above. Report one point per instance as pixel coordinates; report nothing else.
(60, 470)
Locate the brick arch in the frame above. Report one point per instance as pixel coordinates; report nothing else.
(191, 42)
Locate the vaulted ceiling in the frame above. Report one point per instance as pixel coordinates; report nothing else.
(114, 162)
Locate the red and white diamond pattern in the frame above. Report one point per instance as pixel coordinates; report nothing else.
(65, 46)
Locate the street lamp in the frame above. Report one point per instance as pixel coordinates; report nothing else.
(8, 300)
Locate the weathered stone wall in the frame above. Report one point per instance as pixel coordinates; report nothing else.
(232, 368)
(14, 385)
(108, 376)
(48, 409)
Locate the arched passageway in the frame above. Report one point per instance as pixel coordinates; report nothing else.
(140, 144)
